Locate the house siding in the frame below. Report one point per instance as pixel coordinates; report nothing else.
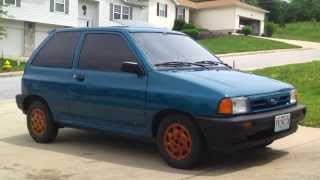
(166, 22)
(39, 11)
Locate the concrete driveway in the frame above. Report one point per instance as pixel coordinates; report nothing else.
(81, 155)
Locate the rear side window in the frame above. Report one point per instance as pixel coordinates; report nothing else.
(58, 51)
(105, 52)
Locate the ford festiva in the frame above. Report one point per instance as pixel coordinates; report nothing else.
(152, 84)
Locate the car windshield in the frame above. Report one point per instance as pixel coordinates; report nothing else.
(174, 50)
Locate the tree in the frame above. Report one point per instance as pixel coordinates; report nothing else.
(3, 13)
(304, 10)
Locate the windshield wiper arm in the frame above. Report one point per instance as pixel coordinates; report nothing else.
(215, 63)
(180, 64)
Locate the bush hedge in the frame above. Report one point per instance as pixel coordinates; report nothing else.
(247, 30)
(270, 29)
(194, 33)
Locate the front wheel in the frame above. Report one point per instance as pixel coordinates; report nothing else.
(180, 142)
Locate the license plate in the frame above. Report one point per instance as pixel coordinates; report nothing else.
(282, 122)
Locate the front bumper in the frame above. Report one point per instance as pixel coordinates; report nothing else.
(228, 134)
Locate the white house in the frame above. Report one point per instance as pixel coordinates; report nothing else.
(29, 21)
(226, 16)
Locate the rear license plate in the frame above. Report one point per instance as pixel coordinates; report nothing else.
(282, 122)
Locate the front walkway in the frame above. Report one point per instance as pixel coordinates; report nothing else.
(255, 60)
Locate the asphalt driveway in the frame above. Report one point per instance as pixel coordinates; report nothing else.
(81, 155)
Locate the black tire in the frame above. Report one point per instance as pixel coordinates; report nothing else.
(49, 129)
(196, 149)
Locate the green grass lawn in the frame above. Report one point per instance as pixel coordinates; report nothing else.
(306, 78)
(235, 44)
(15, 66)
(307, 31)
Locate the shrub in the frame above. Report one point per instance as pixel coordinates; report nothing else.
(247, 30)
(270, 28)
(189, 26)
(194, 33)
(178, 25)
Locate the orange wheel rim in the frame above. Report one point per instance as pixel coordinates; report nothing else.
(177, 141)
(38, 121)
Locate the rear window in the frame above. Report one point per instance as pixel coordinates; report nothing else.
(58, 51)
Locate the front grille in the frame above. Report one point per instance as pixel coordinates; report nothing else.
(269, 102)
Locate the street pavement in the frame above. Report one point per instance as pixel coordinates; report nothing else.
(256, 60)
(269, 59)
(82, 155)
(9, 87)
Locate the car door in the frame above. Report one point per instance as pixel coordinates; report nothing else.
(103, 96)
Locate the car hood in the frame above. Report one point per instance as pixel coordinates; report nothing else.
(232, 83)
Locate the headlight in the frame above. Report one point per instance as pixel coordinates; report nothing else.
(293, 96)
(237, 105)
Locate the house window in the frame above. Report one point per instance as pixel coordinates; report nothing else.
(60, 5)
(162, 10)
(181, 13)
(10, 2)
(116, 12)
(121, 12)
(125, 12)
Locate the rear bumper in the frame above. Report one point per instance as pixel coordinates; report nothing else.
(19, 101)
(228, 134)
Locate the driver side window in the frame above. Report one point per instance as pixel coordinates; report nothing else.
(105, 52)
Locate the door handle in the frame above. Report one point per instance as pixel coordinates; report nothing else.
(78, 77)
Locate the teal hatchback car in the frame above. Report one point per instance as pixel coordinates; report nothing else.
(152, 84)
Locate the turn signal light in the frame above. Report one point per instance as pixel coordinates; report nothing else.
(225, 106)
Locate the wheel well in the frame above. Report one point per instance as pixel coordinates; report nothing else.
(29, 99)
(160, 115)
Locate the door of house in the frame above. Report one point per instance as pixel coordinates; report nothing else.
(85, 22)
(87, 14)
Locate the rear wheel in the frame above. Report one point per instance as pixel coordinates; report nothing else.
(40, 123)
(180, 142)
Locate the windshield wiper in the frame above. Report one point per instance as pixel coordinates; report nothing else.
(212, 63)
(180, 64)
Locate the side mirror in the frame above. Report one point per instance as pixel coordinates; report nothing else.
(132, 67)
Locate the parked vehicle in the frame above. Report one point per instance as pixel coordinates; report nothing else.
(153, 84)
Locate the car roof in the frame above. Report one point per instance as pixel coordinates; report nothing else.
(120, 29)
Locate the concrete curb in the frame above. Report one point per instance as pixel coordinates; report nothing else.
(11, 74)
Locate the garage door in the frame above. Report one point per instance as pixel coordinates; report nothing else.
(13, 44)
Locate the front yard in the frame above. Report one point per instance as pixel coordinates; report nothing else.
(15, 65)
(235, 44)
(306, 78)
